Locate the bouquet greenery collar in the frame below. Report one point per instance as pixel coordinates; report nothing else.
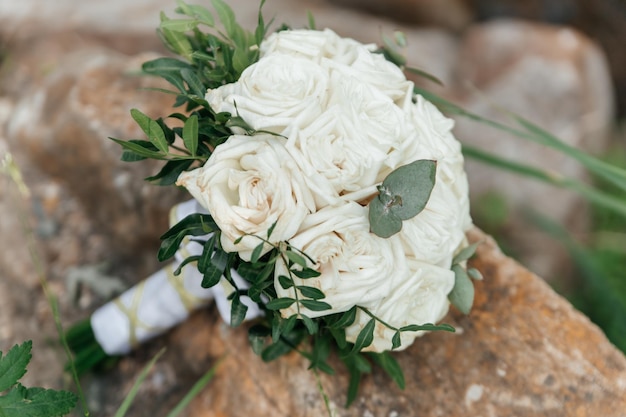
(331, 199)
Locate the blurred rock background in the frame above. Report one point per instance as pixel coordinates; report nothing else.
(69, 75)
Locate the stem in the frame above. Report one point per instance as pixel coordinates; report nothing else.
(369, 313)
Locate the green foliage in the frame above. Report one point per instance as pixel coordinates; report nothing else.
(19, 401)
(401, 196)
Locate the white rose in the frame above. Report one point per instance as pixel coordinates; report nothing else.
(373, 69)
(356, 266)
(419, 297)
(248, 184)
(435, 233)
(275, 92)
(313, 45)
(356, 142)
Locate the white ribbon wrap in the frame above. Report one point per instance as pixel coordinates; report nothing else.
(163, 300)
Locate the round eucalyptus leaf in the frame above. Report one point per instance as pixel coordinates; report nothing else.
(462, 295)
(411, 185)
(383, 222)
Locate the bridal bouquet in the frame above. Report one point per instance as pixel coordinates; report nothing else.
(330, 202)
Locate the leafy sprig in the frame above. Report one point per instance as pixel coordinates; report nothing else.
(209, 60)
(19, 401)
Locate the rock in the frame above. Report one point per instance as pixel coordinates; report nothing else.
(554, 77)
(449, 14)
(522, 351)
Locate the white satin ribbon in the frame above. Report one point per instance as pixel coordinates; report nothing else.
(163, 300)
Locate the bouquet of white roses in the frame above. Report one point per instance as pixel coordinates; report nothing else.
(330, 200)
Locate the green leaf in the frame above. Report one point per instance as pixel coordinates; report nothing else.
(287, 342)
(256, 252)
(311, 292)
(315, 305)
(402, 195)
(425, 74)
(396, 340)
(186, 261)
(226, 16)
(310, 324)
(412, 183)
(170, 172)
(285, 282)
(207, 253)
(190, 134)
(215, 270)
(475, 274)
(345, 320)
(138, 149)
(280, 303)
(257, 335)
(195, 224)
(177, 42)
(310, 19)
(161, 66)
(13, 365)
(195, 11)
(382, 222)
(36, 402)
(365, 337)
(386, 361)
(306, 273)
(465, 253)
(296, 258)
(429, 327)
(179, 25)
(462, 295)
(238, 311)
(194, 83)
(152, 130)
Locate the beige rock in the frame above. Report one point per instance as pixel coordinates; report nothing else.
(449, 14)
(554, 77)
(522, 351)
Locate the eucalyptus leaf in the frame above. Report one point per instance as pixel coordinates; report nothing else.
(462, 295)
(412, 184)
(465, 253)
(382, 222)
(475, 274)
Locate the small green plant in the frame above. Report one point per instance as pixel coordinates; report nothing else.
(19, 401)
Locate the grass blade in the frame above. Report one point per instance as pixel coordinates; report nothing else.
(121, 412)
(195, 390)
(593, 195)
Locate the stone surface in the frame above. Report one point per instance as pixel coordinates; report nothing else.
(522, 351)
(554, 77)
(66, 84)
